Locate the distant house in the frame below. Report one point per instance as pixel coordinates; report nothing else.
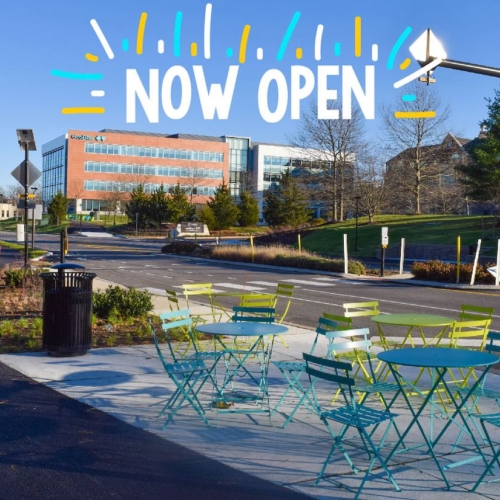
(436, 182)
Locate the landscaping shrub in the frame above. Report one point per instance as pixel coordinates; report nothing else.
(435, 270)
(19, 277)
(116, 301)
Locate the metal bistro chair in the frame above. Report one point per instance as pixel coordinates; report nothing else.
(350, 415)
(255, 348)
(462, 332)
(202, 290)
(189, 375)
(493, 347)
(294, 371)
(353, 346)
(470, 312)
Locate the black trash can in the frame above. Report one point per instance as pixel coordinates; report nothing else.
(67, 310)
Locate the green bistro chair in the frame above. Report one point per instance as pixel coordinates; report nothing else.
(283, 295)
(492, 420)
(202, 290)
(350, 415)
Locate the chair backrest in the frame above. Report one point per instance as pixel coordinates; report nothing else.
(355, 341)
(491, 346)
(173, 300)
(470, 312)
(360, 309)
(333, 371)
(157, 344)
(343, 323)
(324, 325)
(254, 314)
(196, 289)
(284, 293)
(257, 300)
(477, 329)
(176, 319)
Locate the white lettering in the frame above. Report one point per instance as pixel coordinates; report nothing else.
(149, 101)
(215, 100)
(268, 115)
(325, 94)
(166, 92)
(366, 100)
(298, 92)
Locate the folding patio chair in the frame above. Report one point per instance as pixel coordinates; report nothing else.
(294, 371)
(494, 420)
(493, 347)
(353, 346)
(188, 375)
(470, 312)
(351, 415)
(283, 294)
(462, 336)
(201, 290)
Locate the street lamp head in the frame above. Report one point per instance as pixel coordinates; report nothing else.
(26, 139)
(427, 47)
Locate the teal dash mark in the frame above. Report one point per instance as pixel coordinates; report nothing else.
(177, 34)
(125, 44)
(288, 35)
(336, 49)
(229, 52)
(409, 97)
(397, 46)
(76, 76)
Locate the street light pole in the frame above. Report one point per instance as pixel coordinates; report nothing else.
(26, 141)
(357, 212)
(34, 189)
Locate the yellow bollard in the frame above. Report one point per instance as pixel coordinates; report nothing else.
(458, 259)
(300, 246)
(253, 250)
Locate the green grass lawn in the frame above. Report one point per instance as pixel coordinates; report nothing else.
(422, 229)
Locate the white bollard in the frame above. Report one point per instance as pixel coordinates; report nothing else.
(476, 258)
(402, 258)
(346, 262)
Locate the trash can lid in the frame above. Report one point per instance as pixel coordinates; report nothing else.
(65, 265)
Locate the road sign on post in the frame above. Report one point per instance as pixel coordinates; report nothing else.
(33, 174)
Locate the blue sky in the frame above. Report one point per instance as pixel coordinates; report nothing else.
(56, 35)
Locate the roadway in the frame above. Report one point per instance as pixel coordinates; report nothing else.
(138, 263)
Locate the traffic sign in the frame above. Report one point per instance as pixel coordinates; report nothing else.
(19, 173)
(385, 236)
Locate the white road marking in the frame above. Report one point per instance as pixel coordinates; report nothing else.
(305, 282)
(239, 287)
(265, 283)
(168, 277)
(229, 278)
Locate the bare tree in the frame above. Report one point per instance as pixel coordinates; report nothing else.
(370, 189)
(194, 179)
(418, 159)
(333, 145)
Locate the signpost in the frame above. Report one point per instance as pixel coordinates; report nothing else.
(385, 244)
(26, 174)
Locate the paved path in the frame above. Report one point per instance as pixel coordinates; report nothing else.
(54, 447)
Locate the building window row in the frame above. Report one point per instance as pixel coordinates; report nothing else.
(178, 154)
(157, 170)
(127, 187)
(294, 162)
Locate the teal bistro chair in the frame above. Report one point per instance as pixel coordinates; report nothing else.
(294, 373)
(189, 377)
(340, 419)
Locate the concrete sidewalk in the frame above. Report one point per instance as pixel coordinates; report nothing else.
(129, 383)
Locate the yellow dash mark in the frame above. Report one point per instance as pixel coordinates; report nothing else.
(298, 52)
(243, 43)
(140, 32)
(405, 63)
(91, 57)
(357, 36)
(194, 49)
(414, 114)
(87, 110)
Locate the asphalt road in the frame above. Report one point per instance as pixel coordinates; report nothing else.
(138, 263)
